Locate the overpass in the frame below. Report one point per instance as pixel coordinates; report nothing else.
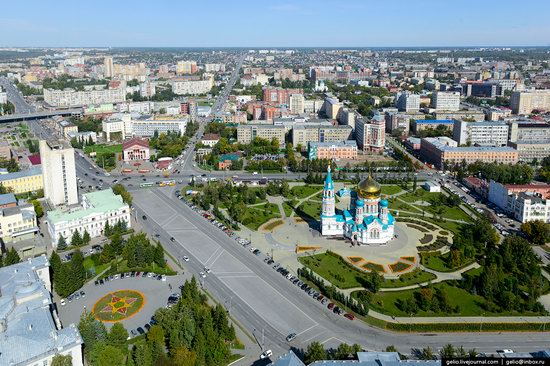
(40, 115)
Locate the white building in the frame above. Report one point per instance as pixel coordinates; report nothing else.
(480, 133)
(147, 89)
(313, 106)
(30, 330)
(297, 103)
(214, 67)
(136, 107)
(136, 125)
(59, 172)
(95, 94)
(431, 186)
(108, 67)
(525, 202)
(17, 223)
(192, 87)
(446, 101)
(3, 96)
(407, 102)
(97, 208)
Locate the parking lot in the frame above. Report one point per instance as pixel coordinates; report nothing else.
(156, 293)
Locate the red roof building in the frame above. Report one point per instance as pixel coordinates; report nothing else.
(135, 149)
(35, 159)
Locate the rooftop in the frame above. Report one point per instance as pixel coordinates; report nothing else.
(94, 203)
(29, 332)
(6, 199)
(36, 170)
(434, 121)
(349, 143)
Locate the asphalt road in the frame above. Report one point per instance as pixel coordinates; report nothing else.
(15, 97)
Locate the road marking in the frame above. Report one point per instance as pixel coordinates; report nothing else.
(337, 339)
(238, 276)
(218, 257)
(310, 328)
(231, 273)
(315, 336)
(168, 222)
(213, 254)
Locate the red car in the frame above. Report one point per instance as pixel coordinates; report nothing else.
(330, 306)
(349, 316)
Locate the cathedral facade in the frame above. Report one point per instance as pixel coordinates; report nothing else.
(367, 221)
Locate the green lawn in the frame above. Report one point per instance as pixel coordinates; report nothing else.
(122, 267)
(439, 263)
(391, 189)
(99, 149)
(451, 226)
(311, 209)
(335, 270)
(89, 266)
(287, 208)
(305, 191)
(258, 215)
(469, 304)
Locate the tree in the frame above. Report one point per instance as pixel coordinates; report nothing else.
(91, 330)
(427, 354)
(119, 189)
(38, 208)
(76, 239)
(344, 352)
(107, 355)
(62, 360)
(315, 352)
(12, 257)
(448, 351)
(61, 242)
(375, 281)
(86, 238)
(391, 348)
(537, 231)
(117, 337)
(184, 357)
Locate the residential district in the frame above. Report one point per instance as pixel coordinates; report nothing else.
(274, 206)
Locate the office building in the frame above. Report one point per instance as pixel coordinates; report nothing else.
(108, 67)
(370, 133)
(407, 102)
(136, 125)
(59, 172)
(423, 124)
(304, 133)
(247, 133)
(186, 67)
(297, 103)
(193, 87)
(279, 96)
(481, 89)
(480, 133)
(446, 101)
(24, 181)
(525, 102)
(30, 331)
(496, 113)
(529, 151)
(529, 131)
(333, 150)
(443, 152)
(135, 149)
(94, 94)
(97, 208)
(524, 202)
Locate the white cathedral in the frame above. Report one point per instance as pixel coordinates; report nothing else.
(368, 220)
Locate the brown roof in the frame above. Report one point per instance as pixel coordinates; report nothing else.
(211, 136)
(135, 141)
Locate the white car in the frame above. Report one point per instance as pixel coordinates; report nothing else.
(255, 173)
(186, 258)
(206, 269)
(266, 354)
(202, 274)
(63, 302)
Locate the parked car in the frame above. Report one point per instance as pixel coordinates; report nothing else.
(349, 316)
(290, 337)
(140, 330)
(63, 302)
(267, 353)
(186, 258)
(330, 306)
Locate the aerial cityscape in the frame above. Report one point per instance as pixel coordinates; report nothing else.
(220, 190)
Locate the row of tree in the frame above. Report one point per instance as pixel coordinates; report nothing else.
(70, 276)
(11, 257)
(139, 252)
(190, 333)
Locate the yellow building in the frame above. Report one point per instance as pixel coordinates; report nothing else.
(24, 181)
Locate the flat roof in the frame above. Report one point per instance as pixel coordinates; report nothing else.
(435, 121)
(100, 202)
(35, 170)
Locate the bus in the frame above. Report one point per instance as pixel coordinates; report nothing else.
(147, 184)
(165, 183)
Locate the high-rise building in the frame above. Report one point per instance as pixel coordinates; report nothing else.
(186, 67)
(524, 102)
(480, 133)
(279, 96)
(59, 172)
(109, 67)
(446, 101)
(407, 102)
(370, 134)
(297, 104)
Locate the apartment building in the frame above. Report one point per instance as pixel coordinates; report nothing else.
(186, 67)
(529, 131)
(108, 67)
(214, 67)
(279, 96)
(333, 150)
(193, 87)
(332, 107)
(95, 94)
(304, 133)
(314, 106)
(407, 102)
(59, 172)
(97, 209)
(24, 181)
(525, 102)
(474, 115)
(370, 134)
(443, 151)
(446, 101)
(480, 133)
(397, 121)
(247, 133)
(297, 103)
(347, 117)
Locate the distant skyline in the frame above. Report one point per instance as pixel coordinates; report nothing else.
(299, 23)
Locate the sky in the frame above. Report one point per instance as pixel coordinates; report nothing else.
(274, 23)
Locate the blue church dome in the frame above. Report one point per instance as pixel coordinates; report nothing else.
(359, 203)
(384, 203)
